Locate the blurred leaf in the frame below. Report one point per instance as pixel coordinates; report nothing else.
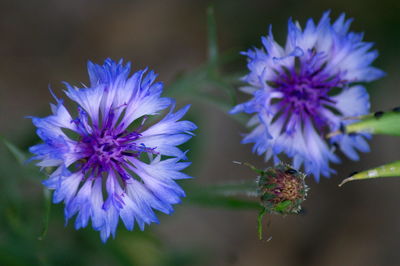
(235, 196)
(212, 36)
(139, 248)
(387, 170)
(223, 201)
(13, 219)
(47, 209)
(189, 256)
(222, 105)
(377, 123)
(19, 155)
(206, 83)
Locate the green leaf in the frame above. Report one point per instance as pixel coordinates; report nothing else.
(223, 201)
(387, 123)
(234, 195)
(387, 170)
(19, 155)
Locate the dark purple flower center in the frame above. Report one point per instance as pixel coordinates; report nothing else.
(108, 148)
(306, 89)
(105, 150)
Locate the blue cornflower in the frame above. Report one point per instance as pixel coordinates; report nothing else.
(108, 164)
(304, 90)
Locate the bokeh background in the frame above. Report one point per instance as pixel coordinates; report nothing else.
(45, 42)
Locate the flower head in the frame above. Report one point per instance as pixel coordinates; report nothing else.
(108, 163)
(303, 90)
(282, 189)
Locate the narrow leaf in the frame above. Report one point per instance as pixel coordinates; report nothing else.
(223, 105)
(47, 209)
(234, 195)
(223, 201)
(387, 123)
(212, 36)
(19, 155)
(387, 170)
(378, 123)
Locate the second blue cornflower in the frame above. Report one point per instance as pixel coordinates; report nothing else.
(303, 90)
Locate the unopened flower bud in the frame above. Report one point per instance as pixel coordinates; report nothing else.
(282, 189)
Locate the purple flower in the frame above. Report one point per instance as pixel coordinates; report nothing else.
(303, 90)
(108, 164)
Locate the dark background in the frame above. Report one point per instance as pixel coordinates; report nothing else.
(45, 42)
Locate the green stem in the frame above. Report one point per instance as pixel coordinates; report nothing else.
(212, 36)
(263, 211)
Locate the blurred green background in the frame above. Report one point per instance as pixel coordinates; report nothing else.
(46, 42)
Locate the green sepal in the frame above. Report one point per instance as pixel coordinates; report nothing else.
(267, 196)
(281, 207)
